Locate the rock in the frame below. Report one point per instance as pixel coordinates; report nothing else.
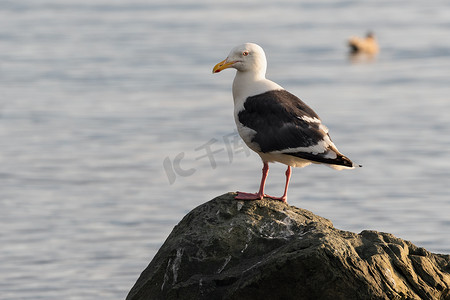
(229, 249)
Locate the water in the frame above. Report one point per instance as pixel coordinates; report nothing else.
(97, 95)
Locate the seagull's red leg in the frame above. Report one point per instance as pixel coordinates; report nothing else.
(288, 178)
(260, 194)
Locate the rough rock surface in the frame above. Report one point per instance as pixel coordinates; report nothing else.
(229, 249)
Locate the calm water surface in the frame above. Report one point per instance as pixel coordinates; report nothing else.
(101, 101)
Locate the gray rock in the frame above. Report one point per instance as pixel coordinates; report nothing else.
(229, 249)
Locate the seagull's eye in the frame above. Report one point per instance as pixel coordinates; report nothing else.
(245, 53)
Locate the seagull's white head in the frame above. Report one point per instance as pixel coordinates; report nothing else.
(247, 57)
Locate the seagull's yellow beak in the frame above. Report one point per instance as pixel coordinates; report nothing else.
(222, 66)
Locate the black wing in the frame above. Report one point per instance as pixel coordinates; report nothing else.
(284, 123)
(280, 120)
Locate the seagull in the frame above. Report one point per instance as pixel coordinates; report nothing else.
(274, 123)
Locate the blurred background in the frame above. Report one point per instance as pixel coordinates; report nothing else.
(112, 127)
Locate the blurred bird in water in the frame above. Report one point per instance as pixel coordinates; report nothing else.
(367, 45)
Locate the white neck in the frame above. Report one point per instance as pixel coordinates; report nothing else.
(248, 84)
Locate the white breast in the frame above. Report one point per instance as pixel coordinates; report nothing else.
(244, 87)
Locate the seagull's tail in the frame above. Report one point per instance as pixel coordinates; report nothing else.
(344, 163)
(339, 162)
